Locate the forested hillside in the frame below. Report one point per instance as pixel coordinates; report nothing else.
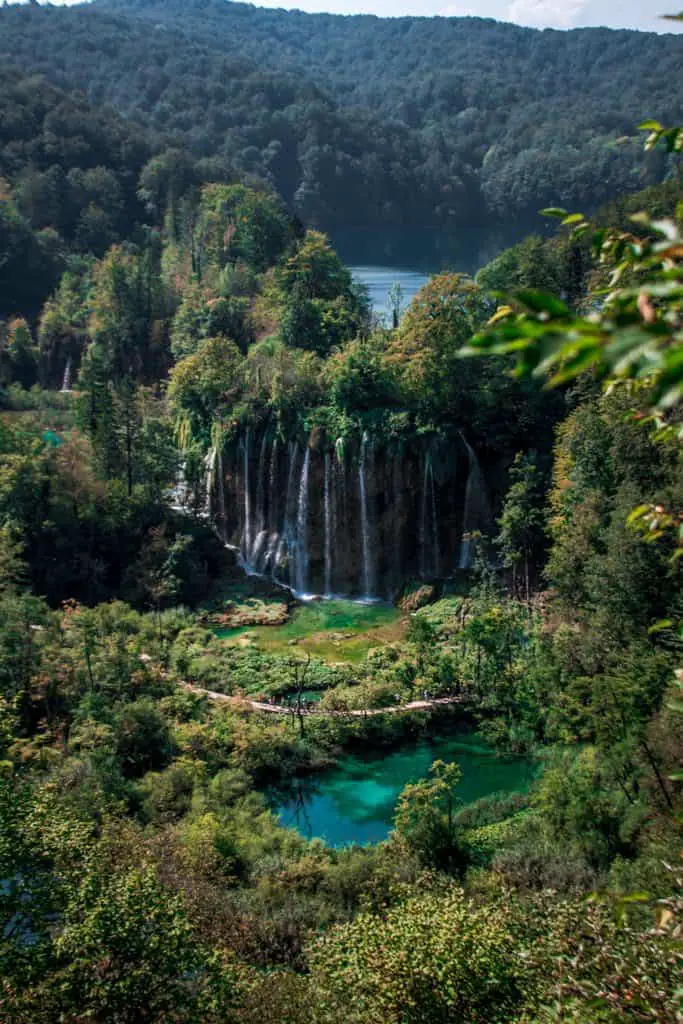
(148, 875)
(340, 656)
(359, 120)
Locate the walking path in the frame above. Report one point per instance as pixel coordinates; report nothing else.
(282, 709)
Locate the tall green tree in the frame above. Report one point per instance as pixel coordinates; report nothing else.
(426, 818)
(521, 539)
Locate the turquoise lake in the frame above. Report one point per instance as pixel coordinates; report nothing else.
(355, 802)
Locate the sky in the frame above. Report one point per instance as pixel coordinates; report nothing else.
(641, 14)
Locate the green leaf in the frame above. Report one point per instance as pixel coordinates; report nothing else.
(650, 126)
(635, 897)
(574, 218)
(502, 313)
(554, 211)
(637, 514)
(541, 302)
(662, 624)
(582, 361)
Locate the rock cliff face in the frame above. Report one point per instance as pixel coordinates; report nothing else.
(348, 519)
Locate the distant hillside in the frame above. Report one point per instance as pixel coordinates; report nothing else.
(69, 178)
(73, 167)
(367, 121)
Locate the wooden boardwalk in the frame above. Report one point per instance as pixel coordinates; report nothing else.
(312, 710)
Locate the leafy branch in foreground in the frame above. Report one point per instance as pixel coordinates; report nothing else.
(634, 332)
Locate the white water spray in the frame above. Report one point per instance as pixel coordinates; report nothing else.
(246, 536)
(476, 514)
(301, 565)
(368, 575)
(328, 529)
(209, 479)
(66, 379)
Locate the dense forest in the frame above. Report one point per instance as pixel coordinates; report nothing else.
(367, 121)
(211, 448)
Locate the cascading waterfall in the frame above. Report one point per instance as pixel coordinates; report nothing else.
(286, 541)
(220, 488)
(335, 567)
(328, 528)
(302, 555)
(210, 461)
(423, 521)
(430, 555)
(368, 574)
(179, 494)
(476, 512)
(324, 519)
(273, 534)
(272, 489)
(247, 536)
(66, 379)
(341, 513)
(436, 554)
(258, 552)
(260, 485)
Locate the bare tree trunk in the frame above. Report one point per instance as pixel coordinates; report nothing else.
(300, 670)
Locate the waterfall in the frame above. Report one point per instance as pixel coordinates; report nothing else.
(353, 521)
(301, 565)
(209, 478)
(246, 535)
(334, 527)
(430, 555)
(435, 522)
(340, 517)
(328, 529)
(368, 574)
(259, 543)
(260, 485)
(220, 487)
(286, 539)
(272, 490)
(429, 479)
(273, 533)
(179, 493)
(476, 515)
(423, 521)
(66, 380)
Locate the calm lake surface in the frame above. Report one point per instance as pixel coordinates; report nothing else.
(355, 802)
(383, 258)
(380, 280)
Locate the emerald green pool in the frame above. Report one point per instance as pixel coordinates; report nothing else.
(355, 802)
